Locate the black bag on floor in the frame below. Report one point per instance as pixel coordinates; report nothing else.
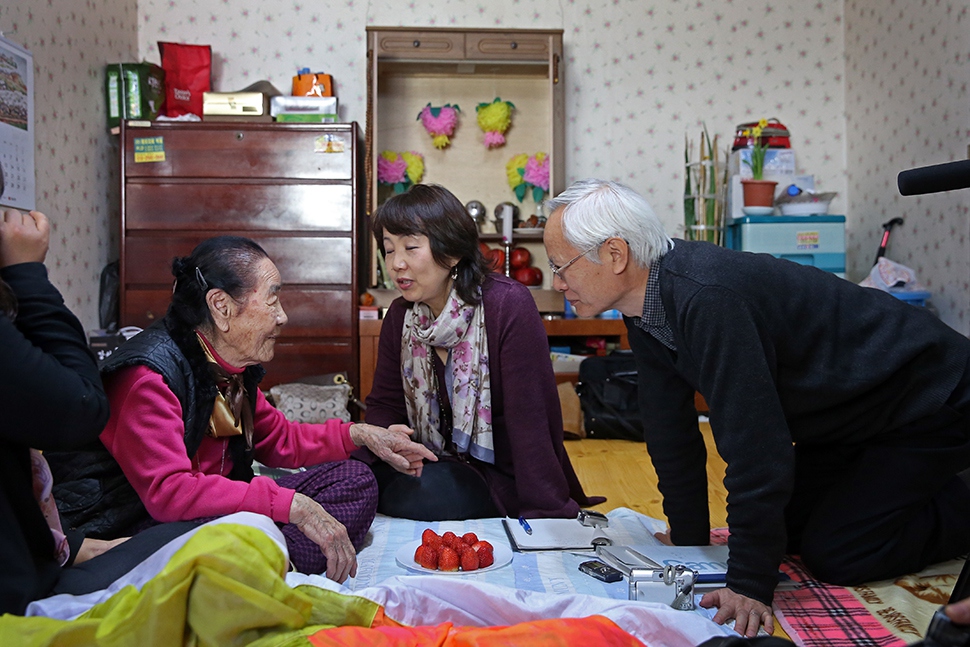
(608, 395)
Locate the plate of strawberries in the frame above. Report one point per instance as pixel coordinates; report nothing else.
(451, 554)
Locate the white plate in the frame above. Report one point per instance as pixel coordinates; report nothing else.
(758, 211)
(527, 230)
(405, 557)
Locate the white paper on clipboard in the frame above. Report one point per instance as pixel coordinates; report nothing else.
(17, 183)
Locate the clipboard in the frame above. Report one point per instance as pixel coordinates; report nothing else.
(554, 534)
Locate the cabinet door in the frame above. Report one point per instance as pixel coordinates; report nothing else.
(240, 205)
(419, 44)
(303, 358)
(226, 150)
(507, 46)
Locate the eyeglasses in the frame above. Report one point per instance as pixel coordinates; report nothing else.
(559, 269)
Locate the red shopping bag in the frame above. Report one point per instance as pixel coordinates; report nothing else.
(188, 72)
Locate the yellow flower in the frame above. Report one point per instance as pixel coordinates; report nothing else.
(513, 167)
(415, 169)
(756, 131)
(762, 123)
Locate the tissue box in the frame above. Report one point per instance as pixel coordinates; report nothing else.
(314, 109)
(133, 91)
(235, 105)
(104, 343)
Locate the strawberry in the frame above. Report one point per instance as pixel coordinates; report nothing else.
(469, 560)
(427, 557)
(485, 558)
(478, 545)
(430, 538)
(469, 538)
(448, 559)
(449, 539)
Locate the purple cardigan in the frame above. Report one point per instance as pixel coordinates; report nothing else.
(532, 475)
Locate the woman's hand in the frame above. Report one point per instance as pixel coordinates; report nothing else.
(23, 237)
(327, 533)
(748, 614)
(393, 446)
(91, 548)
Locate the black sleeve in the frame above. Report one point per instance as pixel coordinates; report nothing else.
(673, 439)
(50, 389)
(736, 366)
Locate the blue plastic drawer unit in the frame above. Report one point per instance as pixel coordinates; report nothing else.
(809, 240)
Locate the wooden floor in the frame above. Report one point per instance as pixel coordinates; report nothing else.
(621, 471)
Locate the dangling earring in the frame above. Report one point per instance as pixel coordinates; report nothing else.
(454, 273)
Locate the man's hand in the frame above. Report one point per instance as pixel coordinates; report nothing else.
(748, 614)
(327, 533)
(91, 548)
(393, 446)
(24, 238)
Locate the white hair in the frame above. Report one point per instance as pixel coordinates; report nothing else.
(595, 210)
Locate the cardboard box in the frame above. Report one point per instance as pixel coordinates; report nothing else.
(133, 91)
(234, 104)
(302, 105)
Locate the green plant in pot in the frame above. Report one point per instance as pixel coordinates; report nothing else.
(758, 192)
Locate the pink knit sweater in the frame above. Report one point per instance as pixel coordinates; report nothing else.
(145, 435)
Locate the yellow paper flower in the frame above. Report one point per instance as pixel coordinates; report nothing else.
(415, 168)
(512, 169)
(762, 123)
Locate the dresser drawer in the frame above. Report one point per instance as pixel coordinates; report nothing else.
(310, 312)
(507, 46)
(303, 358)
(221, 206)
(420, 44)
(301, 261)
(225, 150)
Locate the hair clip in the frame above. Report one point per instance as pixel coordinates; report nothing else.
(201, 279)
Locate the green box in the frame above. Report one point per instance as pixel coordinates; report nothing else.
(134, 91)
(307, 117)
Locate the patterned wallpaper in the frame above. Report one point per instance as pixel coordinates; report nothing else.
(907, 71)
(641, 74)
(74, 156)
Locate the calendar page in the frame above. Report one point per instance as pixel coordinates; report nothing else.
(16, 126)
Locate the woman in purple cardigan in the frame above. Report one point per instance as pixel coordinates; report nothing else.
(464, 360)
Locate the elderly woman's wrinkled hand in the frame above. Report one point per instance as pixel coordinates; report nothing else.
(393, 446)
(748, 614)
(24, 237)
(327, 533)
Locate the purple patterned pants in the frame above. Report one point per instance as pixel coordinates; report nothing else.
(347, 490)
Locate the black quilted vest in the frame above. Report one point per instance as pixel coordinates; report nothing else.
(92, 493)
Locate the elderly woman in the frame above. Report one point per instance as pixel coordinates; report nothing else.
(464, 359)
(187, 417)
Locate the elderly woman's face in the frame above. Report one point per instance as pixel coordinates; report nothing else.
(256, 321)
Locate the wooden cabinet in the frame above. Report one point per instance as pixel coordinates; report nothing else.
(409, 68)
(293, 188)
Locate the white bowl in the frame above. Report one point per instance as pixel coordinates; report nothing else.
(819, 208)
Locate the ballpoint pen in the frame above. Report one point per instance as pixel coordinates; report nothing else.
(525, 525)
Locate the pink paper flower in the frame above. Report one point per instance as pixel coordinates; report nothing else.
(537, 171)
(440, 123)
(391, 168)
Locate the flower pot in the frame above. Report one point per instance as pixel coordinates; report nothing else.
(758, 193)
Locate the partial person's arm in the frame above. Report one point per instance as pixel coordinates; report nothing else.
(50, 389)
(531, 418)
(145, 436)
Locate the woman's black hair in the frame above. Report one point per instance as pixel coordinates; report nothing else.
(434, 211)
(227, 263)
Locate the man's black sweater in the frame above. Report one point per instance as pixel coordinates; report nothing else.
(783, 354)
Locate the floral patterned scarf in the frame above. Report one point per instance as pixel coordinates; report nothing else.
(461, 329)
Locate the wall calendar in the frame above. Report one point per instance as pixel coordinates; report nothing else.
(16, 126)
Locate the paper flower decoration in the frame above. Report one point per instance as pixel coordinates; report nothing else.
(494, 119)
(400, 170)
(525, 172)
(440, 122)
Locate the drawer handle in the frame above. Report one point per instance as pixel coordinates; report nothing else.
(149, 315)
(514, 45)
(239, 136)
(416, 43)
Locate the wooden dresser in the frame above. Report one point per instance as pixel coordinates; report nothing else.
(293, 188)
